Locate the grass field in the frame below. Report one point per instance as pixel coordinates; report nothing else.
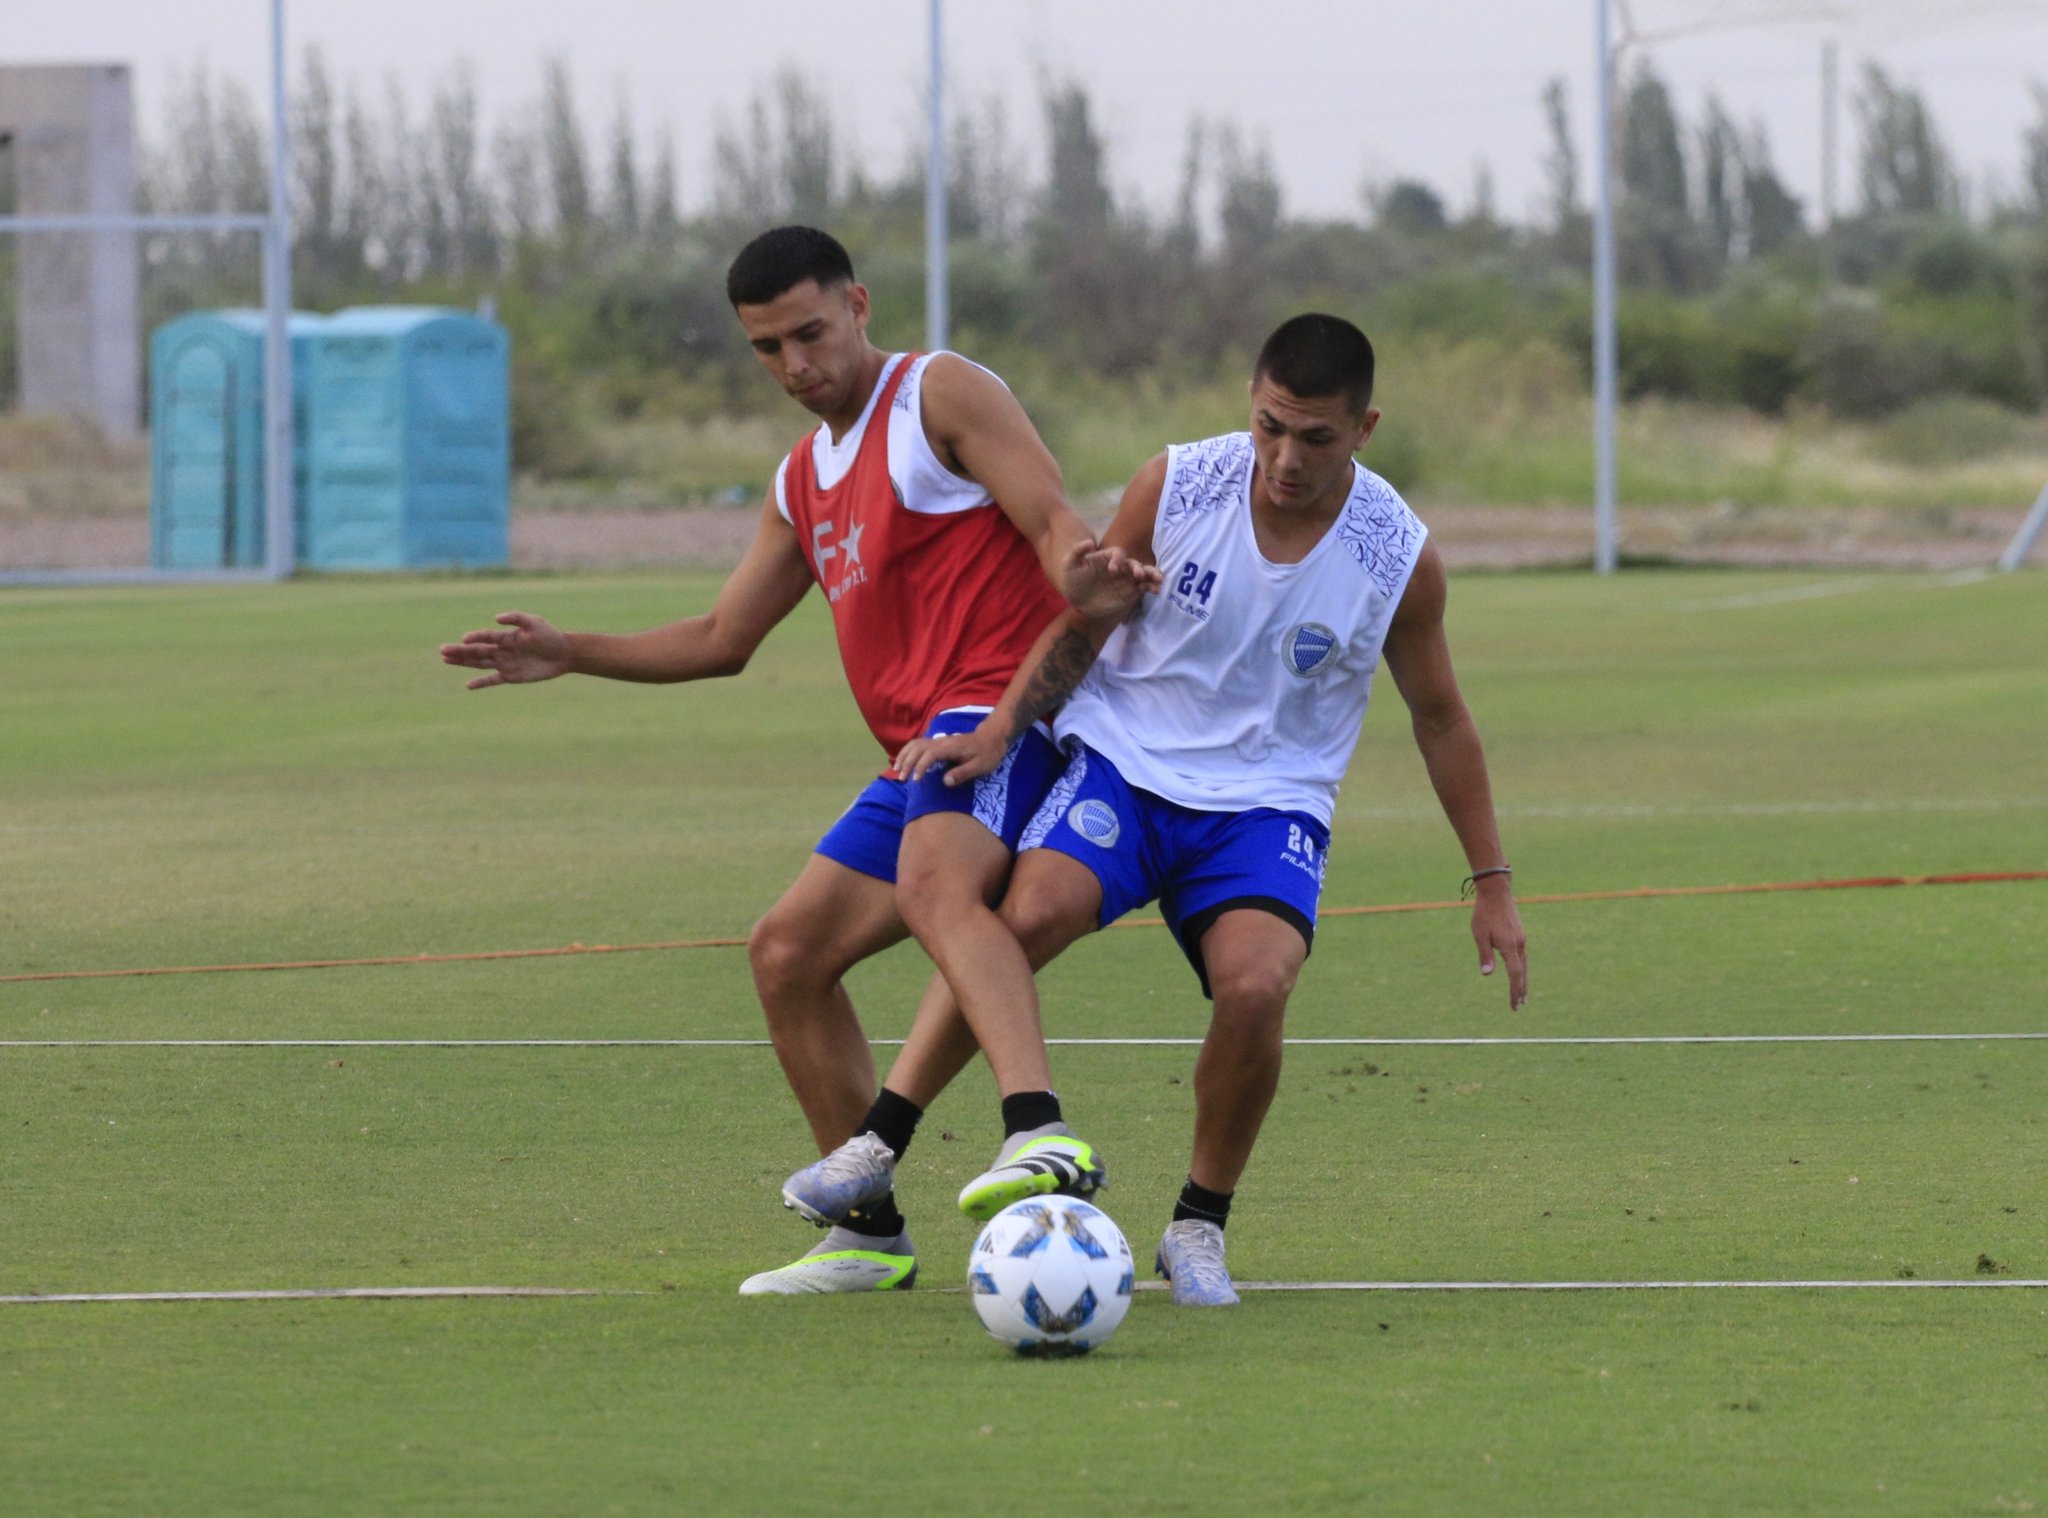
(200, 777)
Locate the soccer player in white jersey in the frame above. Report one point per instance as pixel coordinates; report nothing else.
(1207, 732)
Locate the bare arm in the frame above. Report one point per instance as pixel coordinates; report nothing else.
(1057, 662)
(771, 578)
(1419, 658)
(978, 428)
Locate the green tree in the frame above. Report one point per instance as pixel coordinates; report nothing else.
(316, 171)
(1408, 206)
(1561, 161)
(986, 194)
(664, 218)
(1660, 245)
(1105, 292)
(464, 215)
(1078, 203)
(366, 193)
(623, 196)
(2034, 157)
(1904, 168)
(1248, 202)
(1772, 215)
(782, 162)
(567, 164)
(1722, 221)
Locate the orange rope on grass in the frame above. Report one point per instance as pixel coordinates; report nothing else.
(1638, 893)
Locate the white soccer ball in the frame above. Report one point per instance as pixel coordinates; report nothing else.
(1050, 1276)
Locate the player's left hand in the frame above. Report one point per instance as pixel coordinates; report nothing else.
(1106, 582)
(965, 757)
(1497, 928)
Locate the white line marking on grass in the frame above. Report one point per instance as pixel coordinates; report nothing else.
(1133, 1043)
(321, 1294)
(414, 1293)
(1784, 595)
(1819, 589)
(1938, 805)
(1908, 1283)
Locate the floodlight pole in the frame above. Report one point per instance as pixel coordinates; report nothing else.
(2023, 541)
(1829, 112)
(280, 524)
(935, 280)
(1604, 523)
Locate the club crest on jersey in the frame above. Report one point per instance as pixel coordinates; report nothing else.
(1310, 647)
(1095, 821)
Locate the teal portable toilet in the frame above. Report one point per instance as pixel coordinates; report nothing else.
(409, 459)
(206, 438)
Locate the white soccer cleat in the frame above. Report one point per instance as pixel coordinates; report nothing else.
(1191, 1259)
(844, 1261)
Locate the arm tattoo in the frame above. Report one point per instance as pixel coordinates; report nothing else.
(1070, 657)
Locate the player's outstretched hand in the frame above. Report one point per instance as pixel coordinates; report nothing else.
(964, 757)
(522, 649)
(1105, 582)
(1497, 928)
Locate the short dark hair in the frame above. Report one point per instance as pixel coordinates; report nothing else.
(1316, 355)
(782, 258)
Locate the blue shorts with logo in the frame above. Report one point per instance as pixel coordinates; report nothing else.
(867, 836)
(1199, 864)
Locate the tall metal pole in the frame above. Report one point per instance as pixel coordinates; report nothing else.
(935, 281)
(1829, 99)
(280, 526)
(1605, 530)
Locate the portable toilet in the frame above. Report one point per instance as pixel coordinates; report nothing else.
(410, 452)
(206, 449)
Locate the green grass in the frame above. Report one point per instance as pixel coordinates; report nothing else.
(199, 777)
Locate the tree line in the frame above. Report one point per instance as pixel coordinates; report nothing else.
(1733, 290)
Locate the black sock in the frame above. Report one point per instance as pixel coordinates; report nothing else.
(1025, 1110)
(1203, 1204)
(892, 1119)
(878, 1220)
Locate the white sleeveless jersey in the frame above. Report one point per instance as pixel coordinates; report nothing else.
(1242, 683)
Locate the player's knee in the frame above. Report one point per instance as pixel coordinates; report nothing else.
(1039, 916)
(1251, 996)
(928, 899)
(780, 959)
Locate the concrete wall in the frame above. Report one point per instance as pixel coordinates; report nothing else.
(71, 133)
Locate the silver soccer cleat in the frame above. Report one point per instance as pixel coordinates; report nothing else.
(1191, 1259)
(859, 1173)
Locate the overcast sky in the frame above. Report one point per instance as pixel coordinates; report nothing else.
(1341, 91)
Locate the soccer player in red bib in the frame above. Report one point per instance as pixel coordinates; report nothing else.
(930, 514)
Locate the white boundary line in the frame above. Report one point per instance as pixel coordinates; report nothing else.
(1547, 811)
(393, 1293)
(1176, 1043)
(1815, 590)
(319, 1294)
(1909, 1283)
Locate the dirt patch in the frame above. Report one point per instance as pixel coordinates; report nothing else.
(1471, 537)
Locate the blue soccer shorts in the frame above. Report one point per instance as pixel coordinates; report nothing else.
(867, 836)
(1199, 864)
